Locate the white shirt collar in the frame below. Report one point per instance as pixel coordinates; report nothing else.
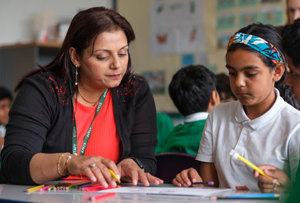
(196, 117)
(263, 119)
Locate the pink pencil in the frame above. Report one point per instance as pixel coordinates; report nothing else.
(97, 188)
(102, 196)
(46, 187)
(92, 188)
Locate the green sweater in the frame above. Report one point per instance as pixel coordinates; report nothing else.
(185, 138)
(295, 195)
(164, 127)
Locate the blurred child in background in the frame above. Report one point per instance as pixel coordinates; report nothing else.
(193, 91)
(223, 88)
(5, 101)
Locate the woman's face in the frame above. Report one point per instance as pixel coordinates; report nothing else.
(105, 64)
(293, 10)
(251, 81)
(293, 77)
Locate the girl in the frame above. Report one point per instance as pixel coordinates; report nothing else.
(260, 126)
(291, 48)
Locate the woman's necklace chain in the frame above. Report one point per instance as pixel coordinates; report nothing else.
(86, 100)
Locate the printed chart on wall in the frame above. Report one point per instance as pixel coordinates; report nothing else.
(176, 26)
(156, 80)
(235, 14)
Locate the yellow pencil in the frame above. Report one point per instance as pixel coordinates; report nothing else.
(35, 188)
(237, 156)
(114, 176)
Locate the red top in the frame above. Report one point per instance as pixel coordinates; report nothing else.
(104, 140)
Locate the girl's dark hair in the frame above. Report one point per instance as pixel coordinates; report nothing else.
(83, 31)
(291, 42)
(271, 34)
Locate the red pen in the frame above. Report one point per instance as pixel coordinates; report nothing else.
(97, 188)
(102, 196)
(92, 188)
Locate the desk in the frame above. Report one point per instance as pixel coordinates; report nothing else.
(16, 192)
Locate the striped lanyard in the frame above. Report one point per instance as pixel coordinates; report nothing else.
(88, 134)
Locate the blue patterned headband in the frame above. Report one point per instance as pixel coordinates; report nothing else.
(258, 44)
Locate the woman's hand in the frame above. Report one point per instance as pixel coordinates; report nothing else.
(95, 168)
(187, 177)
(268, 185)
(130, 171)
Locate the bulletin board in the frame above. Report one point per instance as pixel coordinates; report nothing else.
(211, 23)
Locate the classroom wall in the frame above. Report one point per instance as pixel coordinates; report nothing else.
(16, 20)
(137, 12)
(16, 16)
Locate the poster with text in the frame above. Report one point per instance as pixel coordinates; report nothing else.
(270, 1)
(176, 26)
(248, 17)
(226, 21)
(272, 15)
(156, 80)
(247, 3)
(225, 4)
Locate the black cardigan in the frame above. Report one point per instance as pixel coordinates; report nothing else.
(41, 121)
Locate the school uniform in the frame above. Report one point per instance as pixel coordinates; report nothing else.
(185, 138)
(164, 125)
(273, 139)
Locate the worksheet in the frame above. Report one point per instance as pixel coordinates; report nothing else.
(186, 191)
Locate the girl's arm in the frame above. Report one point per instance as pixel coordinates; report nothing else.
(268, 185)
(189, 176)
(208, 173)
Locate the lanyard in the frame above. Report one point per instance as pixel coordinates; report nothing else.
(88, 134)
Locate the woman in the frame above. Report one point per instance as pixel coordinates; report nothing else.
(84, 113)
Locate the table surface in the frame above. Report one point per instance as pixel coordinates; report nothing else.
(17, 193)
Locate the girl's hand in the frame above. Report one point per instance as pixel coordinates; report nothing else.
(187, 177)
(268, 185)
(95, 168)
(130, 171)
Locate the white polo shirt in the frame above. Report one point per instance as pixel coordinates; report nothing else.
(273, 139)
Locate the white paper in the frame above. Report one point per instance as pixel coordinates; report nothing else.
(191, 191)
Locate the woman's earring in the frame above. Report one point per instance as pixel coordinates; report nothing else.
(76, 75)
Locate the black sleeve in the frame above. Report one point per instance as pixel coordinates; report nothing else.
(29, 122)
(143, 136)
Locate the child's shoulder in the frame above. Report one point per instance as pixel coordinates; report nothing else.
(226, 109)
(227, 106)
(290, 111)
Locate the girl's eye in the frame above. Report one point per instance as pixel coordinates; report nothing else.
(250, 74)
(231, 73)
